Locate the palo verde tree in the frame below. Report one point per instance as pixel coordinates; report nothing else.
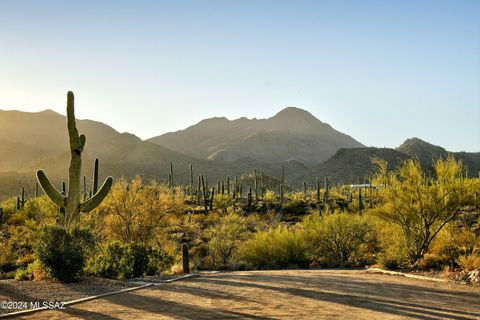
(72, 202)
(421, 206)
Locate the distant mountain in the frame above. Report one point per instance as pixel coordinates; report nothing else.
(292, 134)
(30, 141)
(425, 152)
(428, 153)
(293, 138)
(28, 136)
(355, 165)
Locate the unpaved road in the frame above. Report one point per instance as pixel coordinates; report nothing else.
(290, 294)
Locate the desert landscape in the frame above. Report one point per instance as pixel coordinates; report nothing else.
(240, 160)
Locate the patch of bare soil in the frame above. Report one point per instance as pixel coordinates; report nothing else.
(287, 294)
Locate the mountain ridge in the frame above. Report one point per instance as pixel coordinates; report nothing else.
(30, 141)
(292, 133)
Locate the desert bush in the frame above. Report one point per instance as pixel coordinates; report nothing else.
(421, 206)
(453, 242)
(469, 262)
(137, 212)
(296, 204)
(158, 261)
(124, 261)
(338, 239)
(222, 201)
(432, 261)
(296, 197)
(113, 262)
(391, 242)
(389, 261)
(23, 275)
(270, 198)
(62, 253)
(226, 236)
(36, 271)
(20, 229)
(277, 247)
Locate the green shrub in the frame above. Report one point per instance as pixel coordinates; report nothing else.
(158, 262)
(391, 241)
(36, 270)
(62, 253)
(111, 262)
(338, 239)
(452, 242)
(222, 201)
(296, 206)
(23, 275)
(124, 261)
(275, 248)
(225, 237)
(469, 262)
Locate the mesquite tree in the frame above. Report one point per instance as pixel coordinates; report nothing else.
(421, 206)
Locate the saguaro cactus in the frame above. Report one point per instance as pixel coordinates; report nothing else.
(361, 206)
(170, 176)
(21, 200)
(72, 201)
(191, 180)
(282, 184)
(205, 195)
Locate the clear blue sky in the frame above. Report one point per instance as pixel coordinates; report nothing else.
(380, 71)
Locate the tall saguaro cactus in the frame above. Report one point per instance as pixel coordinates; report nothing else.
(72, 201)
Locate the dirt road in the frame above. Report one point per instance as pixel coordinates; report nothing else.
(290, 294)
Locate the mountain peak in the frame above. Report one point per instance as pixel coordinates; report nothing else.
(292, 133)
(415, 142)
(293, 113)
(422, 150)
(49, 111)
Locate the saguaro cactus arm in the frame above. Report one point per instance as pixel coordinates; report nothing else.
(98, 197)
(95, 177)
(51, 192)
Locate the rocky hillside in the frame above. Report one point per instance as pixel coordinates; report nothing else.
(292, 134)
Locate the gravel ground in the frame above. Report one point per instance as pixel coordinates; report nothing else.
(32, 291)
(285, 294)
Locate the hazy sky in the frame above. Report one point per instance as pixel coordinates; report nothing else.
(380, 71)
